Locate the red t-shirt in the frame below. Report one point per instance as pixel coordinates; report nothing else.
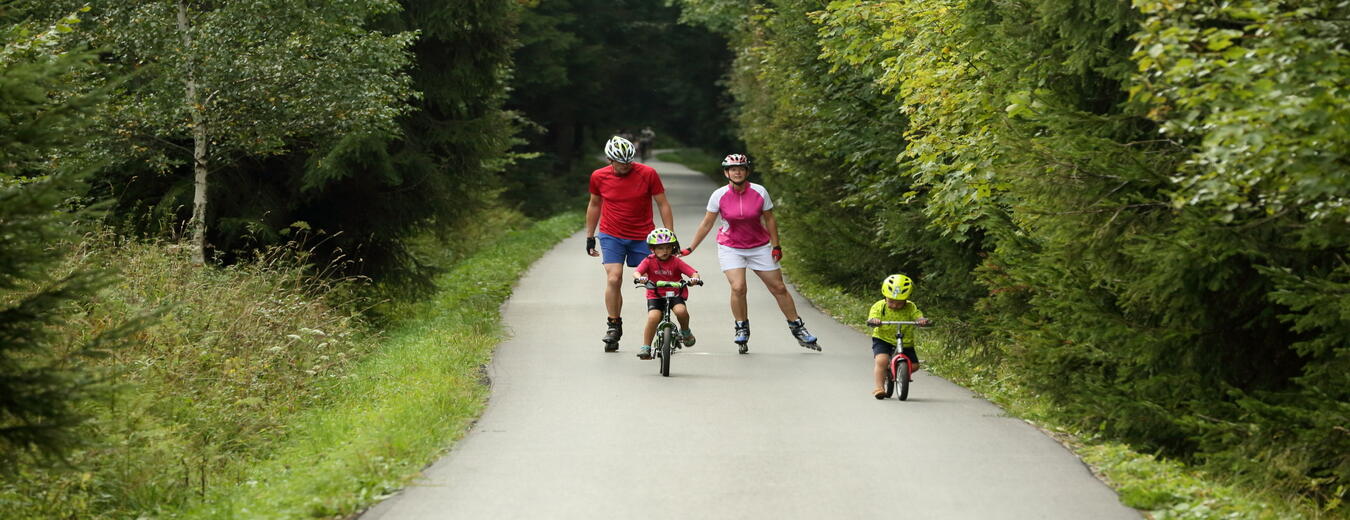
(626, 202)
(669, 270)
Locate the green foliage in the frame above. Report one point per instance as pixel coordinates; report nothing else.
(210, 386)
(45, 377)
(1143, 208)
(370, 121)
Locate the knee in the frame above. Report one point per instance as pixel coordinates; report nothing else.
(614, 278)
(738, 289)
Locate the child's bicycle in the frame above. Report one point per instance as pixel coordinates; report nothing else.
(899, 372)
(667, 339)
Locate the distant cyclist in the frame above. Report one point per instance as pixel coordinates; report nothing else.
(645, 138)
(748, 239)
(621, 203)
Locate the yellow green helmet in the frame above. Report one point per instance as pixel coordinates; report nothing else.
(897, 287)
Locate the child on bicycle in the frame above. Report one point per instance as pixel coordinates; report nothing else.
(663, 266)
(894, 306)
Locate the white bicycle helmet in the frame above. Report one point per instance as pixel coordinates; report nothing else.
(619, 149)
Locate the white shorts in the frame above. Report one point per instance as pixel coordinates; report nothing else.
(756, 258)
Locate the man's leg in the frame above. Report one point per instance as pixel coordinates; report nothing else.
(614, 289)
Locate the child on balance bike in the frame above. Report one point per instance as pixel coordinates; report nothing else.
(894, 306)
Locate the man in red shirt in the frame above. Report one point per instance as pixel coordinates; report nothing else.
(621, 203)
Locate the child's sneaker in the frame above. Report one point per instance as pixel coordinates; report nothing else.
(879, 393)
(645, 352)
(687, 337)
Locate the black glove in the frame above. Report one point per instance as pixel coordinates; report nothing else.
(590, 245)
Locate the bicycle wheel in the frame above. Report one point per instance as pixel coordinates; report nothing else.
(902, 378)
(890, 380)
(667, 339)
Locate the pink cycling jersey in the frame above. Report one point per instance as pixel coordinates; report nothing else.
(740, 214)
(668, 270)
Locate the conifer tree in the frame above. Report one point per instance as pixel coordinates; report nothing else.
(43, 377)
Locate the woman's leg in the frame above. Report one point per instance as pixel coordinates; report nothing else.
(736, 279)
(778, 288)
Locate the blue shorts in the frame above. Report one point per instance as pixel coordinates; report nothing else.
(615, 250)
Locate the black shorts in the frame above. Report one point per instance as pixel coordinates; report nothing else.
(881, 346)
(659, 304)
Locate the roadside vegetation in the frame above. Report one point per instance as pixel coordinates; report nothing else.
(261, 391)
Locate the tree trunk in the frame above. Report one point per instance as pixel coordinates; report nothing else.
(194, 105)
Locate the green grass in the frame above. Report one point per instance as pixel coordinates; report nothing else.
(403, 406)
(262, 392)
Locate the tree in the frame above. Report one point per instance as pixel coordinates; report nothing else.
(43, 378)
(219, 82)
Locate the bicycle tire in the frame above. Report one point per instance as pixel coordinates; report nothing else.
(665, 343)
(902, 380)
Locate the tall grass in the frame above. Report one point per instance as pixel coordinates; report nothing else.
(235, 354)
(259, 374)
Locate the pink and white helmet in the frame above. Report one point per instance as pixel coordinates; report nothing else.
(735, 159)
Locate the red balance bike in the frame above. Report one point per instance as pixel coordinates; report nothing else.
(899, 372)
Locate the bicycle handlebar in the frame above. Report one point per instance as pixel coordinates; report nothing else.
(655, 285)
(915, 323)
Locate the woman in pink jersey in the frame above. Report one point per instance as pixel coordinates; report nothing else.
(748, 239)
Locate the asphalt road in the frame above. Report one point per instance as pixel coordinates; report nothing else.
(783, 432)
